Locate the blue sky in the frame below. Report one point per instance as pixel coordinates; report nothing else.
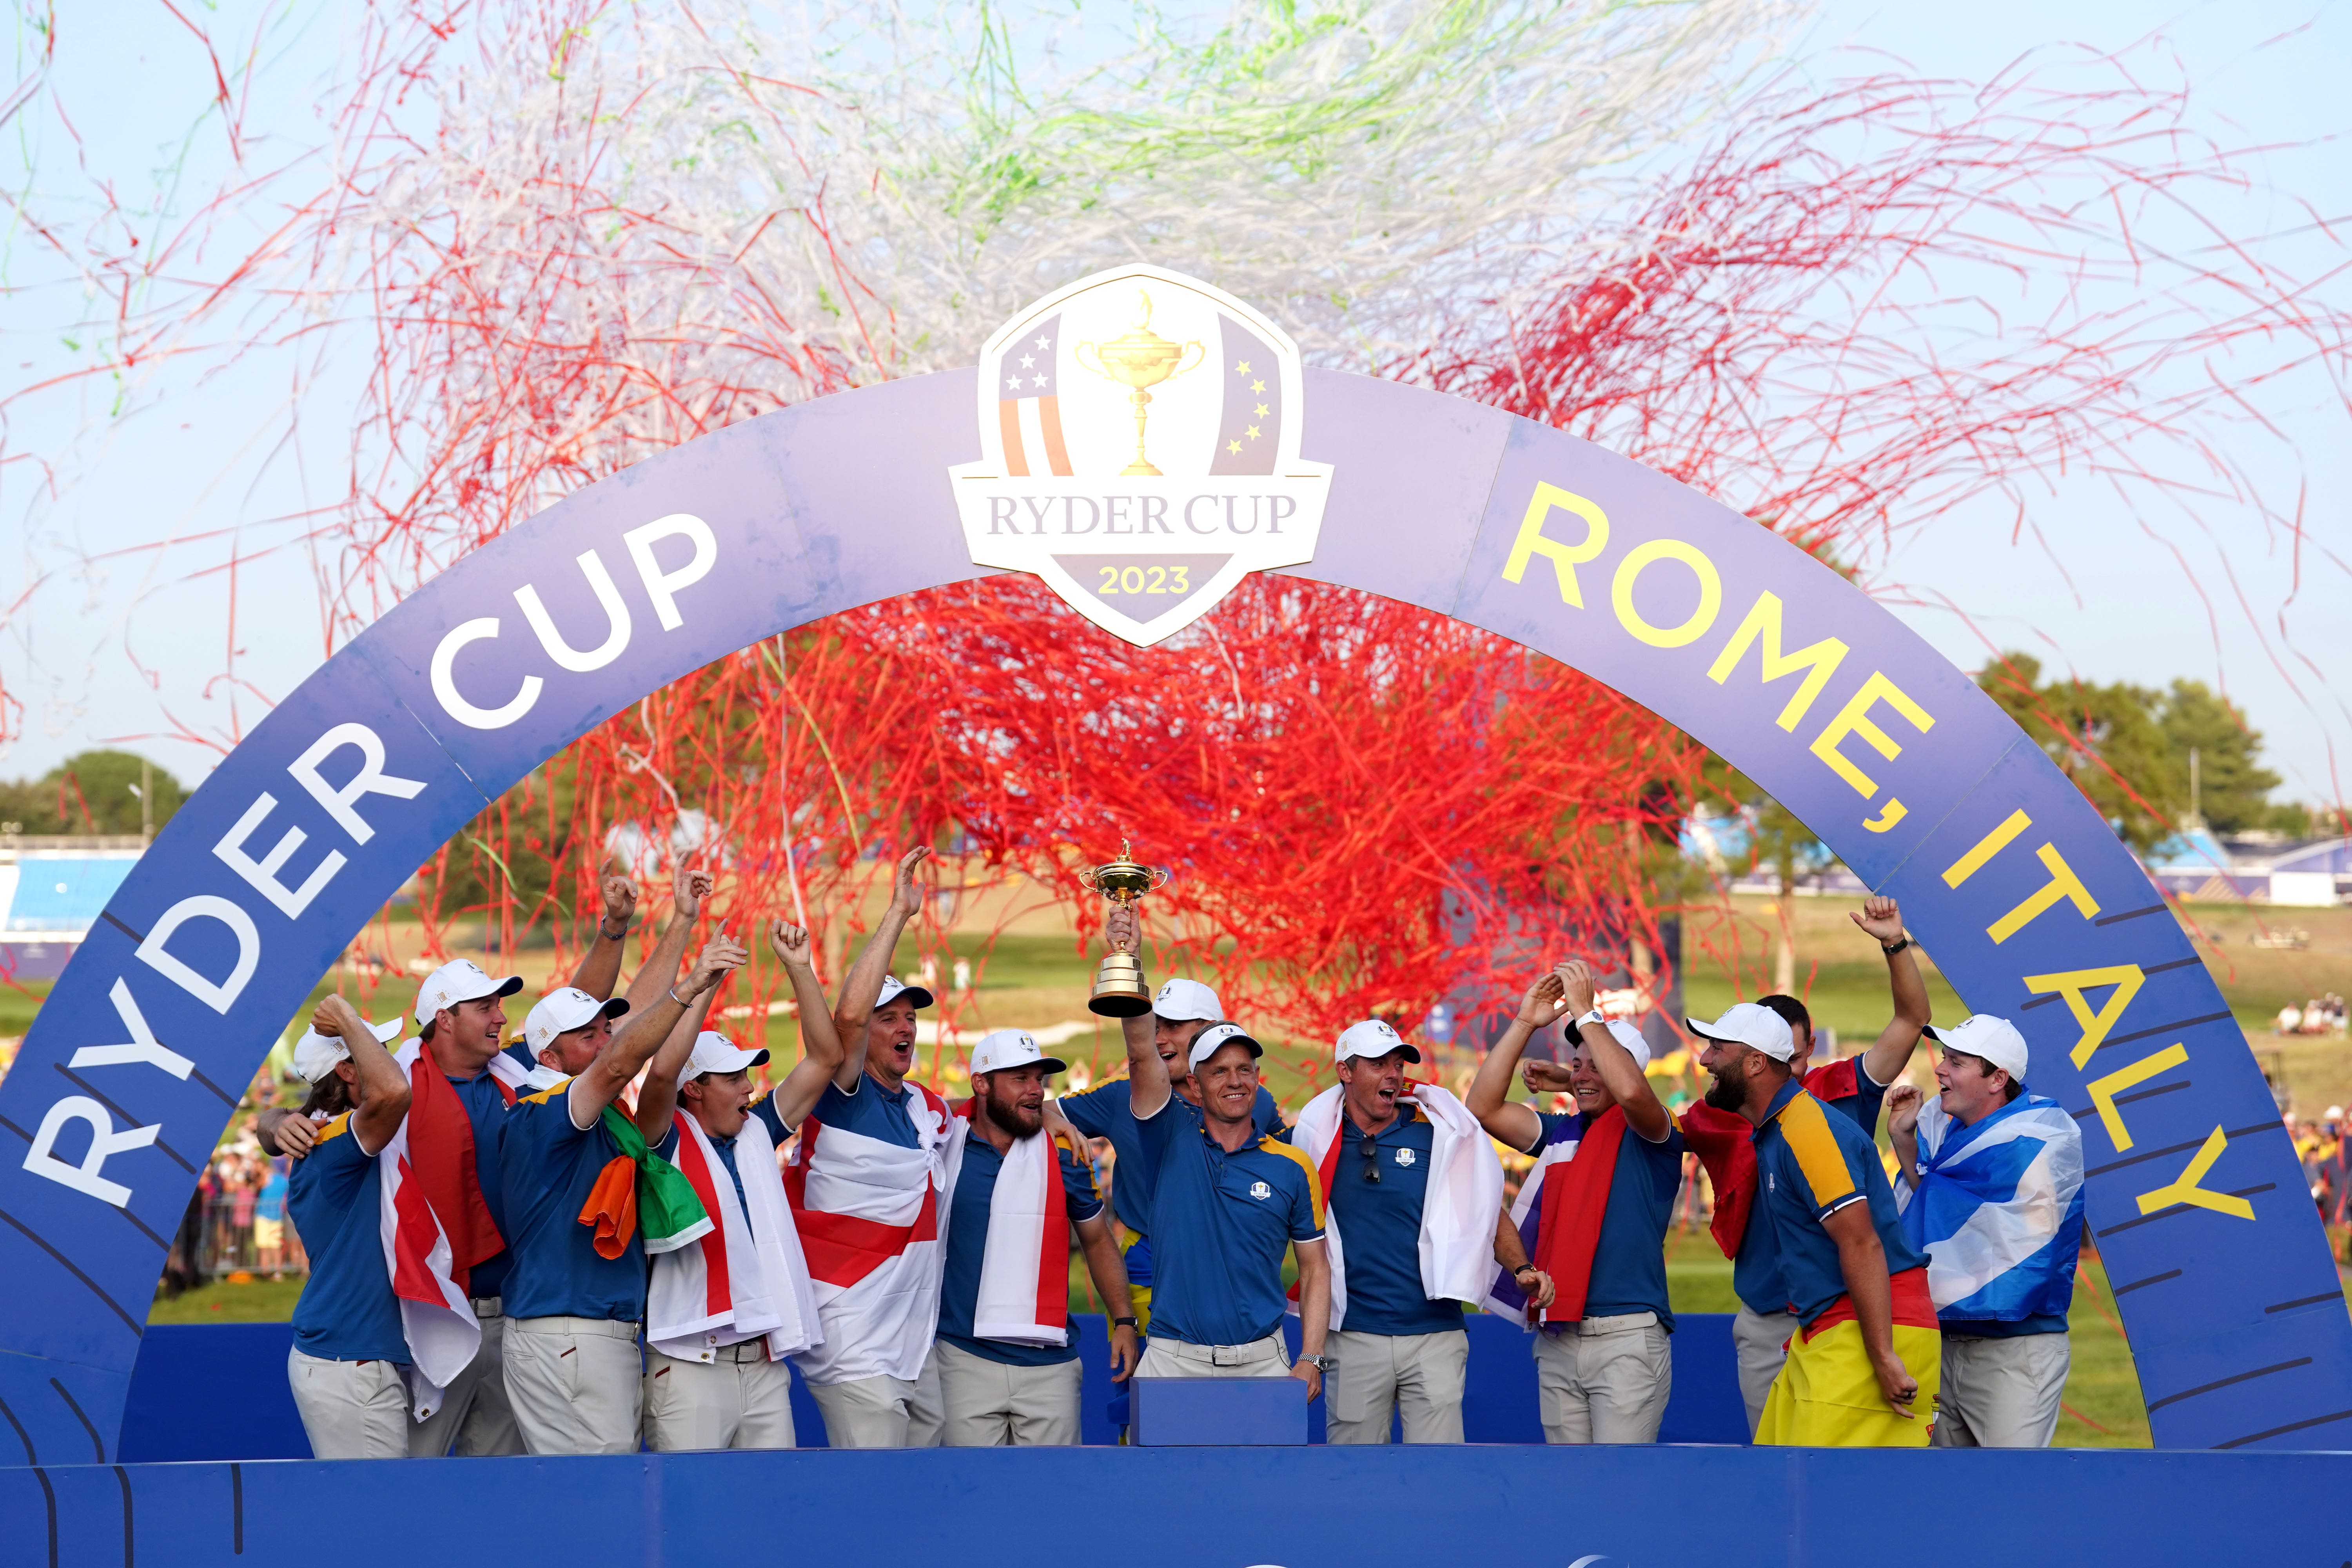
(199, 473)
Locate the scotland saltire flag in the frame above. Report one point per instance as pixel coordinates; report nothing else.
(1999, 1209)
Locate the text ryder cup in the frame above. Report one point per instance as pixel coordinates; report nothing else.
(1138, 514)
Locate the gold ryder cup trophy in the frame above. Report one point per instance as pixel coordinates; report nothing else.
(1119, 990)
(1140, 359)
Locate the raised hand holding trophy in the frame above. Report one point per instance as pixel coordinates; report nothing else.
(1119, 990)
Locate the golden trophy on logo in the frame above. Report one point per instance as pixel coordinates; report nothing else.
(1140, 359)
(1120, 991)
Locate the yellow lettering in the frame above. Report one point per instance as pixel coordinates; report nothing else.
(1819, 660)
(2103, 1090)
(1564, 558)
(1853, 719)
(1895, 811)
(2186, 1189)
(2063, 884)
(1990, 845)
(1710, 593)
(2125, 978)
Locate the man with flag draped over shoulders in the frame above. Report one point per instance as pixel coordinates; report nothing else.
(1866, 1350)
(1008, 1360)
(1592, 1216)
(1855, 1087)
(723, 1314)
(865, 1181)
(589, 1202)
(1990, 1187)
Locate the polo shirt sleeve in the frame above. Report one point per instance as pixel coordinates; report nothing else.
(1869, 1095)
(1078, 1196)
(1305, 1216)
(1153, 1134)
(1552, 1121)
(1091, 1112)
(773, 1119)
(1826, 1169)
(1267, 1114)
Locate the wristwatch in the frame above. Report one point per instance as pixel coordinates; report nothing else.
(1319, 1362)
(1897, 945)
(1525, 1269)
(1595, 1017)
(1122, 1323)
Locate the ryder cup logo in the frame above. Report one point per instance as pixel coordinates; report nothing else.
(1140, 432)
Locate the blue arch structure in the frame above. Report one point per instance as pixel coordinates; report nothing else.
(2030, 905)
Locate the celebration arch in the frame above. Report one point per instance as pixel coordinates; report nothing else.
(2030, 906)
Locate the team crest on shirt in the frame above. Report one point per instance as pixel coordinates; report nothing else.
(1260, 1191)
(1405, 1156)
(1138, 433)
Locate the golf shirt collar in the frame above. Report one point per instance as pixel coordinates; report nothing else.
(1788, 1091)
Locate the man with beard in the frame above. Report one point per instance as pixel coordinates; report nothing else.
(1594, 1212)
(1008, 1364)
(1867, 1346)
(1854, 1088)
(1181, 1009)
(865, 1181)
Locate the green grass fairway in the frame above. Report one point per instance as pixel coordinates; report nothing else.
(266, 1301)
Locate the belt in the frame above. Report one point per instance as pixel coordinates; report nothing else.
(600, 1328)
(1618, 1323)
(487, 1306)
(743, 1349)
(1267, 1349)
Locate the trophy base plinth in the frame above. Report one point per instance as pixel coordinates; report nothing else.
(1119, 990)
(1138, 469)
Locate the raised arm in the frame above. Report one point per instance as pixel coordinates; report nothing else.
(1489, 1099)
(657, 1098)
(862, 986)
(1629, 1085)
(687, 889)
(1903, 1131)
(821, 1048)
(383, 1087)
(600, 967)
(1147, 1075)
(630, 1049)
(1891, 1053)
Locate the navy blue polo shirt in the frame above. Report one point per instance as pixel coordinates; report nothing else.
(868, 1109)
(1221, 1225)
(486, 1107)
(1755, 1270)
(1379, 1223)
(1108, 1111)
(551, 1168)
(968, 1212)
(348, 1312)
(667, 1150)
(1628, 1261)
(1809, 1165)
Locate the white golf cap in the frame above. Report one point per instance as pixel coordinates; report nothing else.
(714, 1052)
(1625, 1035)
(562, 1010)
(315, 1055)
(1181, 1001)
(462, 981)
(1373, 1037)
(896, 990)
(1000, 1050)
(1752, 1025)
(1982, 1035)
(1208, 1041)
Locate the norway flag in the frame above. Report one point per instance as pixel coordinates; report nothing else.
(1028, 403)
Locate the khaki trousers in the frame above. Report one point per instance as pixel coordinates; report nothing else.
(474, 1413)
(2001, 1393)
(729, 1402)
(884, 1412)
(350, 1409)
(1268, 1357)
(1377, 1374)
(1761, 1339)
(1605, 1379)
(992, 1405)
(574, 1385)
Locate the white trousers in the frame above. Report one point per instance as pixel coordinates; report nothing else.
(1607, 1383)
(350, 1409)
(1379, 1374)
(726, 1404)
(1761, 1339)
(476, 1420)
(992, 1405)
(2001, 1393)
(883, 1412)
(1268, 1357)
(574, 1385)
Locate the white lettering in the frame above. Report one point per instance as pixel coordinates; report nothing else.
(141, 1047)
(104, 1144)
(262, 876)
(444, 686)
(370, 780)
(616, 619)
(662, 586)
(203, 906)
